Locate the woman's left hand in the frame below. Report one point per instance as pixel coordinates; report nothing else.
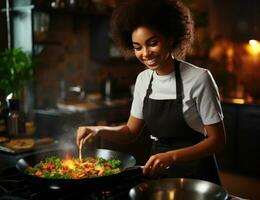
(157, 164)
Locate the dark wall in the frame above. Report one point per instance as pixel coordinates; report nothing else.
(237, 20)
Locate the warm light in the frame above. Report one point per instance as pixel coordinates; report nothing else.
(69, 163)
(253, 47)
(171, 195)
(230, 52)
(238, 101)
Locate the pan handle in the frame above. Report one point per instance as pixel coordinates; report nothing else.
(134, 171)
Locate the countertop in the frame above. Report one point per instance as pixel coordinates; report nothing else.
(70, 107)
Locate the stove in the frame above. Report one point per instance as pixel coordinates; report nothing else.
(13, 186)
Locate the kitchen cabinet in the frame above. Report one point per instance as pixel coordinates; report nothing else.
(248, 140)
(242, 150)
(226, 157)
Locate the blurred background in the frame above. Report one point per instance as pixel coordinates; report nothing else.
(72, 43)
(79, 76)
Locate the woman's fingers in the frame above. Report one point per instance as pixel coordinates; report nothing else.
(156, 164)
(152, 166)
(81, 132)
(148, 166)
(84, 133)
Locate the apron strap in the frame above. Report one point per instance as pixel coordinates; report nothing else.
(149, 89)
(179, 86)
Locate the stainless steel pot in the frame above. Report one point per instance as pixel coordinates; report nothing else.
(178, 189)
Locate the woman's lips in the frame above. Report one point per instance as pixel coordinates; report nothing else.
(150, 62)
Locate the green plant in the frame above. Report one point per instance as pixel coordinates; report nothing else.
(16, 67)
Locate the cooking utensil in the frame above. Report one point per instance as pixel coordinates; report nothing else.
(83, 141)
(80, 150)
(178, 189)
(127, 168)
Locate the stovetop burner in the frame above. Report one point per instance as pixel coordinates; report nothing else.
(13, 186)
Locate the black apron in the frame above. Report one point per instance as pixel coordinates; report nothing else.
(165, 121)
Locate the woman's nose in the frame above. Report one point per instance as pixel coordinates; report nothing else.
(146, 52)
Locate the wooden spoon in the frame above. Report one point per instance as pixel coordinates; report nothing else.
(83, 141)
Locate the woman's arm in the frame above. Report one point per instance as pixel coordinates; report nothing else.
(121, 133)
(213, 143)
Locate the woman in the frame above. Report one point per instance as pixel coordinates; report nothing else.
(177, 101)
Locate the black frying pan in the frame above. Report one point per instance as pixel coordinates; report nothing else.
(128, 168)
(178, 189)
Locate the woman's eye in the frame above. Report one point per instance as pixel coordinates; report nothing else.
(153, 43)
(137, 48)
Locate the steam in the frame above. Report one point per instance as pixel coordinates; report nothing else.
(67, 140)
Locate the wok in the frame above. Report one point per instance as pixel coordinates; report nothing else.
(178, 189)
(127, 168)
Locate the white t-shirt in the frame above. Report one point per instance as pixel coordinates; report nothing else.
(201, 102)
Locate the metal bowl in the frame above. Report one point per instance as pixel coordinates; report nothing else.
(178, 189)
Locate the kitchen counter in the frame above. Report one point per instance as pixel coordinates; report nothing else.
(68, 116)
(77, 107)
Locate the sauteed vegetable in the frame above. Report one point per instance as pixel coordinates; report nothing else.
(56, 168)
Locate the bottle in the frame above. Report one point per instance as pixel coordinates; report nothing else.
(15, 120)
(3, 129)
(108, 85)
(63, 91)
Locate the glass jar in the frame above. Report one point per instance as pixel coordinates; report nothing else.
(15, 119)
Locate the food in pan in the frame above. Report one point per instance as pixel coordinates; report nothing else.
(23, 143)
(55, 168)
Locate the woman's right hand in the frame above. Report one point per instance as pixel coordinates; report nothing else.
(84, 131)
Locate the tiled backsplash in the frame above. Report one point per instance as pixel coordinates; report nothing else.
(68, 60)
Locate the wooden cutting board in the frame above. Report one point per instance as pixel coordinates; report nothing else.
(20, 145)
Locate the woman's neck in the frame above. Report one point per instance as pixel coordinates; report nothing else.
(168, 67)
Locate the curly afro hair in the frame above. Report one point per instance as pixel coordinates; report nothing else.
(169, 17)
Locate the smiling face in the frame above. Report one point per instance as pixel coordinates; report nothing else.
(153, 49)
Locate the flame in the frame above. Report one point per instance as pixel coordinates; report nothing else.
(69, 163)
